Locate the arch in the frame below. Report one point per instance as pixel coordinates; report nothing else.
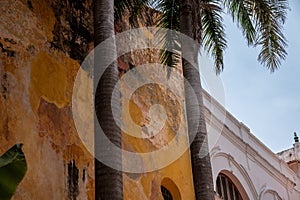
(166, 193)
(167, 185)
(269, 194)
(235, 185)
(225, 163)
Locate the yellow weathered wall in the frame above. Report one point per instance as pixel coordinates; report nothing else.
(36, 84)
(37, 72)
(147, 185)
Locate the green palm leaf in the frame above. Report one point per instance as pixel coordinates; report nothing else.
(261, 22)
(269, 17)
(136, 8)
(12, 170)
(242, 14)
(214, 40)
(169, 19)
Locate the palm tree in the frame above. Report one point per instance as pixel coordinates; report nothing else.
(108, 181)
(201, 166)
(261, 22)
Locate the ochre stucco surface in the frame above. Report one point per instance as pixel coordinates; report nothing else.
(36, 82)
(42, 47)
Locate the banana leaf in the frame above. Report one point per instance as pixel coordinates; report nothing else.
(13, 167)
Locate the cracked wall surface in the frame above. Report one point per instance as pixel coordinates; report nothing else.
(37, 76)
(42, 44)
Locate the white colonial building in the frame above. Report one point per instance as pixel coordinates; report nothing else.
(243, 167)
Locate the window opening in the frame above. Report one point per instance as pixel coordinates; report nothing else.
(226, 188)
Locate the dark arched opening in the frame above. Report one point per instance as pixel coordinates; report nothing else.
(226, 189)
(169, 190)
(166, 193)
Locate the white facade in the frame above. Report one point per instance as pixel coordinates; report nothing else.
(257, 172)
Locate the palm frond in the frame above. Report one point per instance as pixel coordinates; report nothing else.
(169, 19)
(170, 52)
(214, 39)
(120, 7)
(241, 12)
(136, 9)
(269, 17)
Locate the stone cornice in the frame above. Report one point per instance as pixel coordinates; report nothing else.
(247, 142)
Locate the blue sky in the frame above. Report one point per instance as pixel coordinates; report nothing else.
(268, 103)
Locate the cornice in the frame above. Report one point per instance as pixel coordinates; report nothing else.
(243, 145)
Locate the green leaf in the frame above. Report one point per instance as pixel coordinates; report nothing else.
(214, 39)
(12, 170)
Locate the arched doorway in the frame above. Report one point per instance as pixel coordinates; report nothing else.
(166, 193)
(229, 188)
(169, 190)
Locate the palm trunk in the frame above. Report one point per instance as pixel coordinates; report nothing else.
(108, 181)
(201, 166)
